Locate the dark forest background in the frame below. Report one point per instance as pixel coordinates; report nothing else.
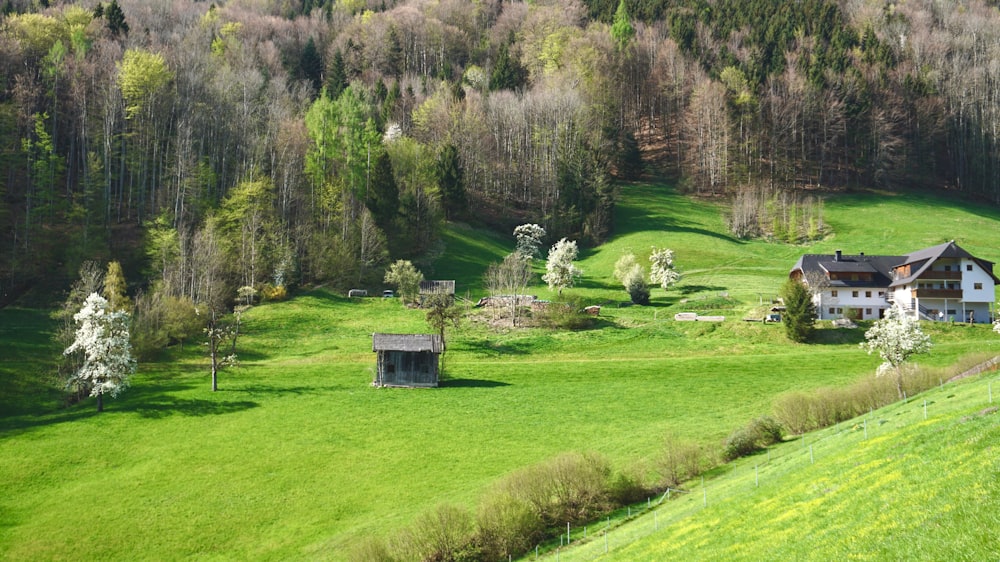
(266, 143)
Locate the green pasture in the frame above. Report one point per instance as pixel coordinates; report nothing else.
(912, 481)
(297, 456)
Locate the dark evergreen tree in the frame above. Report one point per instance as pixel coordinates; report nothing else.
(449, 176)
(336, 75)
(394, 55)
(629, 157)
(508, 74)
(98, 10)
(311, 65)
(383, 193)
(800, 312)
(116, 19)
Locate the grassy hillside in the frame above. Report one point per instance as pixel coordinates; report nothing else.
(896, 484)
(298, 456)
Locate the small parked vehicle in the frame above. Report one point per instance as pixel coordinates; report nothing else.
(387, 294)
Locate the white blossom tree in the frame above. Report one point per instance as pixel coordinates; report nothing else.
(560, 271)
(103, 339)
(896, 338)
(996, 326)
(632, 275)
(661, 269)
(529, 240)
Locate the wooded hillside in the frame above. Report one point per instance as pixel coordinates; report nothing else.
(261, 142)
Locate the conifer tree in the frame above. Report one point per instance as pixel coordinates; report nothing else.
(800, 312)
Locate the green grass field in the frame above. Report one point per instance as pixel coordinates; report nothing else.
(297, 456)
(896, 484)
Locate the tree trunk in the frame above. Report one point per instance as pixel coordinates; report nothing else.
(100, 402)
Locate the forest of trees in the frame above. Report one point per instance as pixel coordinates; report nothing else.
(263, 143)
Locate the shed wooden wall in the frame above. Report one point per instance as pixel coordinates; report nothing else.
(407, 368)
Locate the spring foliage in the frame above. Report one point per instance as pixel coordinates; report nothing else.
(896, 338)
(529, 239)
(103, 339)
(559, 269)
(661, 270)
(632, 276)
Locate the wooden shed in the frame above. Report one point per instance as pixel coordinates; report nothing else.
(407, 359)
(437, 287)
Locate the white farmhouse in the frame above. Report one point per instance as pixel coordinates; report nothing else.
(943, 282)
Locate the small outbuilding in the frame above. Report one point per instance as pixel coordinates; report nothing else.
(410, 360)
(431, 288)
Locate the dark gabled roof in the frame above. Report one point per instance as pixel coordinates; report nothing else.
(848, 266)
(880, 268)
(921, 260)
(407, 342)
(445, 287)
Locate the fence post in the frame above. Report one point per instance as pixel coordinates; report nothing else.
(605, 541)
(567, 532)
(866, 429)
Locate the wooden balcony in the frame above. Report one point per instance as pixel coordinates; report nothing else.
(937, 293)
(941, 275)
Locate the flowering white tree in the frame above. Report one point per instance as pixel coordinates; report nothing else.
(632, 275)
(896, 338)
(529, 239)
(996, 326)
(560, 271)
(661, 269)
(102, 336)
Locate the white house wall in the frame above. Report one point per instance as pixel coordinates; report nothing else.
(845, 299)
(986, 293)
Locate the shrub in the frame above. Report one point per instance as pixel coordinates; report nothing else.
(767, 429)
(370, 549)
(753, 437)
(564, 315)
(626, 487)
(740, 443)
(571, 487)
(507, 526)
(444, 533)
(680, 461)
(273, 293)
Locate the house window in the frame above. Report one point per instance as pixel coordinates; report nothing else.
(868, 294)
(840, 311)
(854, 277)
(868, 312)
(854, 294)
(947, 268)
(833, 294)
(968, 267)
(833, 310)
(881, 294)
(977, 286)
(951, 311)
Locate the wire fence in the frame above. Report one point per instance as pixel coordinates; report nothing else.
(595, 540)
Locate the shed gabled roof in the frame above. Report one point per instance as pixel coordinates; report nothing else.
(445, 287)
(407, 342)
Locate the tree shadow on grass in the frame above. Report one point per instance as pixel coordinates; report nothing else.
(471, 383)
(690, 289)
(838, 336)
(147, 402)
(486, 347)
(190, 407)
